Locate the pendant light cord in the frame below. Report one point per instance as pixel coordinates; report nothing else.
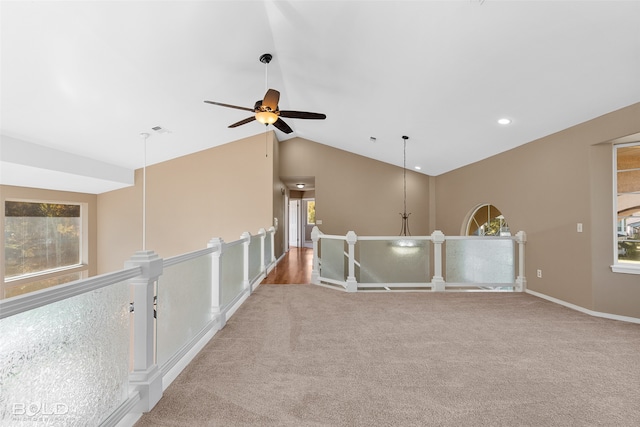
(266, 76)
(144, 194)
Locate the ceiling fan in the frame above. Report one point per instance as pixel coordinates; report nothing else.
(266, 110)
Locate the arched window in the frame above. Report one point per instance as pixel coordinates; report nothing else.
(487, 220)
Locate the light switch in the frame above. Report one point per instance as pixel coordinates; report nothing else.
(579, 227)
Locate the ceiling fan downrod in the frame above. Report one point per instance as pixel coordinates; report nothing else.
(265, 58)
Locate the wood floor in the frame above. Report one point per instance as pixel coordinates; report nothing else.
(294, 268)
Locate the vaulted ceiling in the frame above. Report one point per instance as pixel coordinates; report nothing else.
(85, 78)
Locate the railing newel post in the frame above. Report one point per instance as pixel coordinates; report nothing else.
(521, 280)
(246, 236)
(262, 233)
(437, 282)
(216, 279)
(146, 377)
(272, 231)
(315, 272)
(352, 283)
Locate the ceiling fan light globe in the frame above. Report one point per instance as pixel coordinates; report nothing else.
(266, 117)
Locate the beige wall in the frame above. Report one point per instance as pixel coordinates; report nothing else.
(219, 192)
(545, 188)
(356, 193)
(27, 194)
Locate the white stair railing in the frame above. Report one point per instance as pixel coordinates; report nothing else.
(100, 318)
(392, 262)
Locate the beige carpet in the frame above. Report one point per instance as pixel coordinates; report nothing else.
(310, 356)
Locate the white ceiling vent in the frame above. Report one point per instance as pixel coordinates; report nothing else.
(160, 129)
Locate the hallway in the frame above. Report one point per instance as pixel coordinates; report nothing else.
(294, 268)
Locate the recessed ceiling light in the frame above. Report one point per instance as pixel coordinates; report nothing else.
(372, 139)
(417, 168)
(504, 121)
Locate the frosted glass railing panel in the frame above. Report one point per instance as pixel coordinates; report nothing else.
(184, 304)
(66, 363)
(267, 249)
(254, 257)
(394, 261)
(480, 261)
(232, 274)
(333, 259)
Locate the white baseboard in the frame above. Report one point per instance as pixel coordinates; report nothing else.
(584, 310)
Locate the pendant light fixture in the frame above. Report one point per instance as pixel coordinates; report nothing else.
(405, 216)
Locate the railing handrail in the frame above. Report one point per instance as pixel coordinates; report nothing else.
(25, 302)
(426, 238)
(481, 237)
(332, 236)
(167, 262)
(394, 238)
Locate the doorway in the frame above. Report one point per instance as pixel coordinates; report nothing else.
(294, 228)
(302, 219)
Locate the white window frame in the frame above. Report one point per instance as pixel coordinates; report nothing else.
(80, 267)
(620, 266)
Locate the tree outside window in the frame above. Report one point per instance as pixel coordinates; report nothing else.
(627, 157)
(311, 212)
(487, 220)
(40, 236)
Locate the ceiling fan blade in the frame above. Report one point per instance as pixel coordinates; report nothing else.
(271, 99)
(243, 122)
(229, 106)
(280, 124)
(302, 115)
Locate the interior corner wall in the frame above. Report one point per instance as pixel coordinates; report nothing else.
(220, 192)
(8, 192)
(279, 191)
(545, 188)
(355, 193)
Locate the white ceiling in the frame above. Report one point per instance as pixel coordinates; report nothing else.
(87, 77)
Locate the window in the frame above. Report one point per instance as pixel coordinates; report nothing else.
(627, 207)
(42, 242)
(311, 212)
(487, 220)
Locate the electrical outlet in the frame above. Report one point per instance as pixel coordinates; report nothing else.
(539, 273)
